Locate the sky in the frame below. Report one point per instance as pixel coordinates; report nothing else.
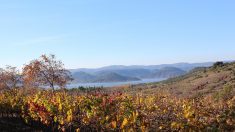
(96, 33)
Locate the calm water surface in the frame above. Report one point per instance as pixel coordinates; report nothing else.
(111, 84)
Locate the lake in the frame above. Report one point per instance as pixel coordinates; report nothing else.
(112, 84)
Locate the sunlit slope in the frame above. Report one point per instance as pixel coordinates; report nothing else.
(200, 81)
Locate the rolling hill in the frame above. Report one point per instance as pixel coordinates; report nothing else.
(123, 75)
(113, 77)
(166, 72)
(136, 72)
(119, 73)
(215, 80)
(182, 66)
(83, 77)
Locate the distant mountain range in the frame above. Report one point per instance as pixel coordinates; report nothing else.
(120, 73)
(84, 77)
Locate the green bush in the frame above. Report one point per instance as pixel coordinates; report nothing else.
(218, 64)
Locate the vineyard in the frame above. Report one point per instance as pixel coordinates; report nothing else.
(98, 110)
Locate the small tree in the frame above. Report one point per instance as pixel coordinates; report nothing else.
(218, 64)
(46, 71)
(9, 77)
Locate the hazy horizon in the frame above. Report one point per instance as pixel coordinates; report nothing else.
(93, 34)
(148, 65)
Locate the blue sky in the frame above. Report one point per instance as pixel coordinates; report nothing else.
(95, 33)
